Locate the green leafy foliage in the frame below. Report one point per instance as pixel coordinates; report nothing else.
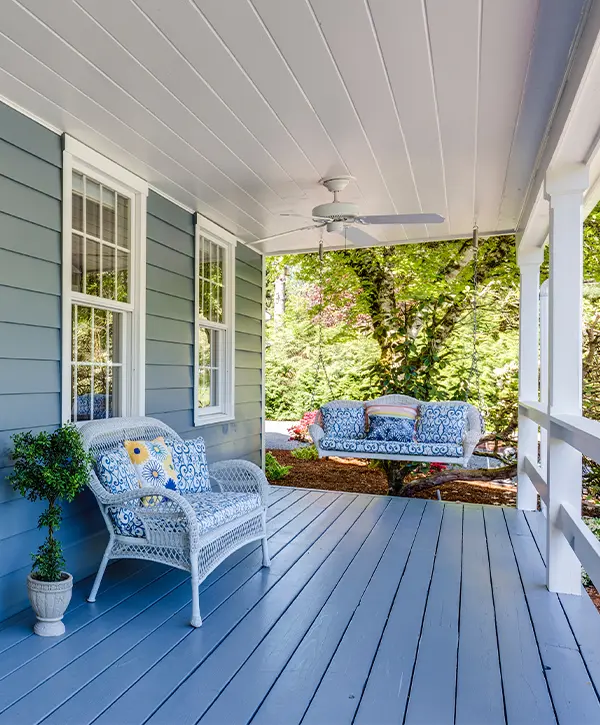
(274, 470)
(305, 453)
(50, 467)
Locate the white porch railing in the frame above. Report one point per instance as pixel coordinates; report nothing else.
(583, 434)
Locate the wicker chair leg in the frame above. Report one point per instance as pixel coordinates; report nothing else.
(265, 552)
(196, 618)
(101, 570)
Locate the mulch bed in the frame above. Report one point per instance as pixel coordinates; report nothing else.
(355, 475)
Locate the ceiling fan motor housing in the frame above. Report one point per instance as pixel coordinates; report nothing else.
(336, 211)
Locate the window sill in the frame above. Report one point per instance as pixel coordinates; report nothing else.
(212, 419)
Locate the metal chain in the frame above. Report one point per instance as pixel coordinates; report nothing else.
(320, 362)
(474, 372)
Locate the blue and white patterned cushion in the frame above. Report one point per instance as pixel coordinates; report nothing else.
(116, 472)
(212, 509)
(390, 428)
(342, 422)
(403, 448)
(442, 423)
(189, 461)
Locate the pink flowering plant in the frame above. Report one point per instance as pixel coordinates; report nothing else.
(299, 431)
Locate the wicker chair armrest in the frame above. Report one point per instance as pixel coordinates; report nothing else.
(316, 433)
(241, 477)
(175, 506)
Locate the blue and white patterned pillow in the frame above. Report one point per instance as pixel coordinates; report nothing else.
(390, 428)
(116, 472)
(341, 422)
(442, 423)
(189, 461)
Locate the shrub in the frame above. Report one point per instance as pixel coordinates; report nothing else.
(274, 470)
(49, 467)
(299, 431)
(306, 453)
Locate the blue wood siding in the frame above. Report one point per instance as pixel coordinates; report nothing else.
(170, 335)
(30, 342)
(30, 349)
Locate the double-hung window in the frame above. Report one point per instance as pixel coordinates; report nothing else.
(104, 222)
(214, 339)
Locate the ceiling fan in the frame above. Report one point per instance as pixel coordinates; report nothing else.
(343, 217)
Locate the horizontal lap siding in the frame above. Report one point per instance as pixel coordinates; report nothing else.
(170, 335)
(30, 346)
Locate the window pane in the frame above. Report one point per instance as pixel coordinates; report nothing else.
(83, 334)
(77, 182)
(77, 264)
(92, 208)
(108, 215)
(100, 351)
(92, 263)
(83, 401)
(122, 275)
(77, 212)
(123, 222)
(108, 272)
(99, 408)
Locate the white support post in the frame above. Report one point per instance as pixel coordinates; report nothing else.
(529, 264)
(544, 379)
(564, 188)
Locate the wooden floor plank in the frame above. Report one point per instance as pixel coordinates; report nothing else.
(284, 502)
(478, 685)
(323, 566)
(20, 626)
(77, 620)
(345, 669)
(438, 646)
(305, 637)
(526, 695)
(386, 692)
(574, 698)
(581, 612)
(107, 686)
(156, 685)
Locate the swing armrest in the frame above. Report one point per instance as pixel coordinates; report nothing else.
(470, 441)
(316, 433)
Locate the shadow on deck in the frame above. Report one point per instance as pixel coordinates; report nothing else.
(376, 610)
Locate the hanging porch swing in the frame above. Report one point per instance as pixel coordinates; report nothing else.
(400, 427)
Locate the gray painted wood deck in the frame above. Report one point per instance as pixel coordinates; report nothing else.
(375, 610)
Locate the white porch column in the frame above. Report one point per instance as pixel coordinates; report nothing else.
(564, 189)
(544, 371)
(529, 265)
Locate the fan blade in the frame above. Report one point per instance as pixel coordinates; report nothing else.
(298, 216)
(401, 219)
(284, 234)
(358, 237)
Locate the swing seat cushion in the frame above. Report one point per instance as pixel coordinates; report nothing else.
(403, 448)
(442, 423)
(392, 422)
(343, 422)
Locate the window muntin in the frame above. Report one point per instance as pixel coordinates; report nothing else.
(214, 333)
(100, 249)
(97, 362)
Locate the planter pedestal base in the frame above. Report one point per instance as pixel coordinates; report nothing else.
(49, 628)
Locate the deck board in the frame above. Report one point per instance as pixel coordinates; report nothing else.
(375, 610)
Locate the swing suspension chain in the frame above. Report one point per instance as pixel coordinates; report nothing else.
(474, 372)
(320, 362)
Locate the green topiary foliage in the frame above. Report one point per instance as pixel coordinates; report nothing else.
(50, 467)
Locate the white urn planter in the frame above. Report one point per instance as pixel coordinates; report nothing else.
(49, 601)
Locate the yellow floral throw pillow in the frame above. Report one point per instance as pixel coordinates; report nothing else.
(153, 465)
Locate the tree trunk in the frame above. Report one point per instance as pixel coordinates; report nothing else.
(478, 474)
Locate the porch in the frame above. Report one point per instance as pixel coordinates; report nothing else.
(375, 610)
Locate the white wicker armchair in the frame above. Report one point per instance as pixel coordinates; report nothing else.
(174, 532)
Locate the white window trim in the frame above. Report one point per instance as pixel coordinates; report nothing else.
(79, 157)
(226, 412)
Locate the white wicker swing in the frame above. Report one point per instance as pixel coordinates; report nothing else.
(426, 451)
(174, 533)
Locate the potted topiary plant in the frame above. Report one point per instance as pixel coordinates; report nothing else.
(51, 467)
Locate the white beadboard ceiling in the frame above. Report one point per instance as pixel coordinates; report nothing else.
(238, 107)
